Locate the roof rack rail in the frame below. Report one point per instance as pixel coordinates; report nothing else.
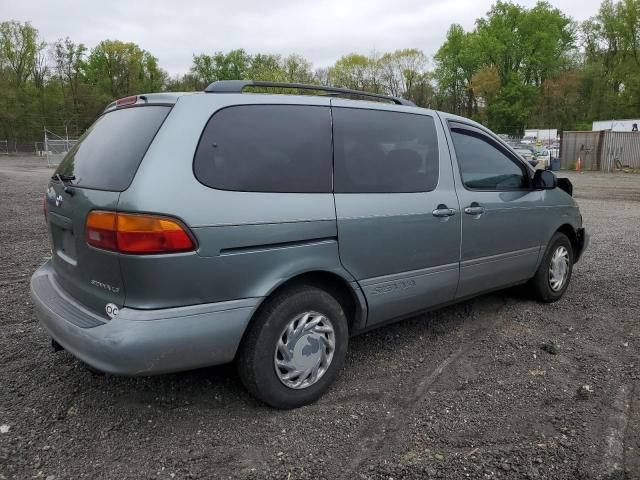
(237, 86)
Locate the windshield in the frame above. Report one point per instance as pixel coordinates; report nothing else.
(108, 154)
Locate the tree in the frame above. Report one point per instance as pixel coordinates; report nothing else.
(560, 101)
(231, 66)
(402, 70)
(500, 67)
(352, 71)
(511, 108)
(421, 91)
(203, 69)
(118, 69)
(297, 69)
(485, 84)
(266, 67)
(611, 41)
(70, 70)
(19, 48)
(234, 65)
(517, 67)
(457, 61)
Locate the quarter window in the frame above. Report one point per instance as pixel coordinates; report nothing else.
(267, 148)
(378, 151)
(483, 166)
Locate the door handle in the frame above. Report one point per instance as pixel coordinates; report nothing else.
(474, 209)
(443, 211)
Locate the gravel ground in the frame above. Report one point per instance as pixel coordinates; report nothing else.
(497, 387)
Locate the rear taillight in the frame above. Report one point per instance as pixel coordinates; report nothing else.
(101, 230)
(44, 208)
(137, 233)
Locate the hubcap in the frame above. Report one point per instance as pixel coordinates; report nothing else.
(304, 350)
(559, 268)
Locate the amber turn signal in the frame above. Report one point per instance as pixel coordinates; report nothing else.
(137, 233)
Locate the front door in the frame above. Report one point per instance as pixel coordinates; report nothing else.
(397, 211)
(501, 224)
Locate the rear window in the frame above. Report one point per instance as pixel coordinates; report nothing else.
(379, 151)
(267, 148)
(108, 154)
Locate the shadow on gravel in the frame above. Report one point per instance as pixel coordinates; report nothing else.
(220, 387)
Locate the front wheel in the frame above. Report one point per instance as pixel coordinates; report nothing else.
(294, 348)
(554, 273)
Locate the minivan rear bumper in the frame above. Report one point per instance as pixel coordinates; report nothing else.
(141, 342)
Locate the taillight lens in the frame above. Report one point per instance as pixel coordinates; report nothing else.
(126, 101)
(44, 208)
(101, 230)
(136, 233)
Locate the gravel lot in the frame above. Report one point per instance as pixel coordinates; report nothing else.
(465, 392)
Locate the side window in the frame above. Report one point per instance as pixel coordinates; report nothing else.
(267, 148)
(377, 151)
(483, 166)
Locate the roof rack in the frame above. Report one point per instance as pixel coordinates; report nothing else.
(237, 86)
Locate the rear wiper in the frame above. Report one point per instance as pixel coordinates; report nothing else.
(65, 178)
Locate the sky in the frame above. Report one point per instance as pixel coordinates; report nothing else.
(320, 30)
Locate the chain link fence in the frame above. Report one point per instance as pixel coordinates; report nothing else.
(51, 147)
(14, 147)
(56, 147)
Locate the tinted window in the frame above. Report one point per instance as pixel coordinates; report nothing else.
(384, 152)
(267, 148)
(483, 165)
(108, 154)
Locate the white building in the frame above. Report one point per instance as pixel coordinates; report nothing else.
(616, 125)
(541, 134)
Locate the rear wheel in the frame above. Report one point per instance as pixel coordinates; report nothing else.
(554, 273)
(294, 348)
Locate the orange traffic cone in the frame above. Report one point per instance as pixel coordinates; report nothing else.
(578, 165)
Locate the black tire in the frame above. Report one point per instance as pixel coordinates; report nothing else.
(540, 284)
(255, 359)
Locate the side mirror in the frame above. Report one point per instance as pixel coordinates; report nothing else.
(545, 180)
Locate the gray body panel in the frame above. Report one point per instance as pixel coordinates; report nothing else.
(249, 242)
(91, 275)
(187, 310)
(503, 245)
(145, 342)
(404, 257)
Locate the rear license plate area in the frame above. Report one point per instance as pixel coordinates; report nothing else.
(64, 242)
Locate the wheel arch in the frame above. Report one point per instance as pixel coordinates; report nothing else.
(570, 232)
(346, 292)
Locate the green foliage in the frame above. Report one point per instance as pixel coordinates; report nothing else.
(19, 49)
(496, 72)
(118, 69)
(518, 67)
(457, 60)
(612, 60)
(509, 111)
(401, 73)
(238, 65)
(356, 72)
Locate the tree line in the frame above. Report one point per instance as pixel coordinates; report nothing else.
(518, 67)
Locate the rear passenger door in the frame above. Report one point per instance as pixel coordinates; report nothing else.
(501, 221)
(397, 211)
